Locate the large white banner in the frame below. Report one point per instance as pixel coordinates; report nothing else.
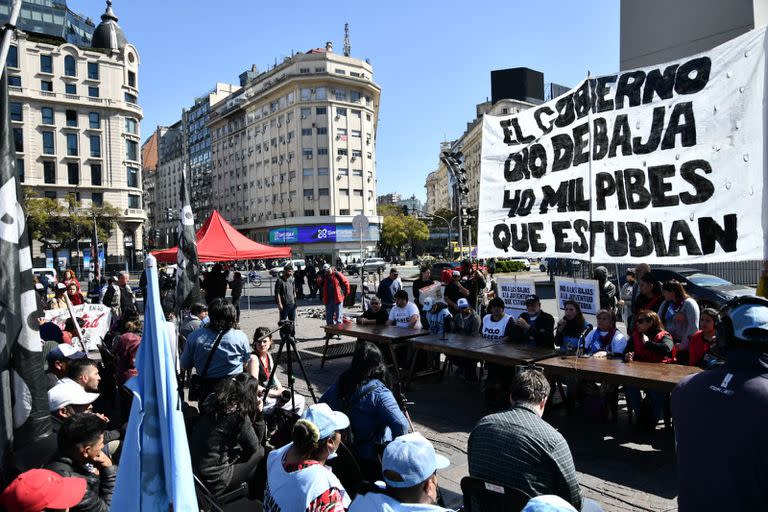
(663, 164)
(97, 317)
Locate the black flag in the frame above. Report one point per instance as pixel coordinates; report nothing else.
(188, 271)
(26, 422)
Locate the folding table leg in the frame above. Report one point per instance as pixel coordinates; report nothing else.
(414, 353)
(395, 363)
(325, 349)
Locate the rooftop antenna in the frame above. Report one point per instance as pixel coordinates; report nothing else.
(347, 46)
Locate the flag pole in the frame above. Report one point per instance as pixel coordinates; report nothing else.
(5, 43)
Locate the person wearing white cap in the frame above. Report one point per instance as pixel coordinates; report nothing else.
(297, 478)
(438, 315)
(58, 362)
(66, 399)
(409, 467)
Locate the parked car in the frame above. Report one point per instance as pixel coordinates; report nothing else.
(706, 289)
(368, 265)
(277, 269)
(48, 272)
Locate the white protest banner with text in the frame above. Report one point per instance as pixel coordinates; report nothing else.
(514, 292)
(98, 318)
(663, 164)
(584, 292)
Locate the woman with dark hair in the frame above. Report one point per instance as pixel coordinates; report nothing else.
(680, 315)
(297, 476)
(703, 349)
(606, 339)
(648, 297)
(363, 393)
(571, 327)
(227, 441)
(218, 350)
(215, 283)
(74, 294)
(262, 367)
(237, 290)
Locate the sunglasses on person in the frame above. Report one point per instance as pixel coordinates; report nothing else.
(644, 320)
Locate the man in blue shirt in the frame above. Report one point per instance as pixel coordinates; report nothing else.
(388, 287)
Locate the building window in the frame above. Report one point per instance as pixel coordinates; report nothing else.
(18, 139)
(357, 134)
(73, 173)
(13, 57)
(309, 213)
(306, 131)
(322, 130)
(14, 81)
(47, 115)
(308, 192)
(325, 213)
(49, 172)
(97, 198)
(72, 144)
(343, 171)
(131, 125)
(133, 176)
(343, 191)
(358, 192)
(130, 98)
(94, 120)
(303, 70)
(321, 111)
(320, 93)
(16, 111)
(354, 97)
(343, 211)
(322, 192)
(46, 85)
(305, 94)
(96, 174)
(308, 172)
(71, 118)
(356, 153)
(340, 111)
(93, 92)
(307, 153)
(95, 146)
(340, 72)
(48, 194)
(305, 112)
(322, 151)
(93, 70)
(131, 79)
(322, 171)
(70, 89)
(20, 168)
(46, 64)
(131, 150)
(357, 172)
(341, 152)
(134, 201)
(367, 117)
(341, 95)
(48, 146)
(70, 66)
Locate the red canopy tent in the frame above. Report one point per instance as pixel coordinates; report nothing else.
(217, 240)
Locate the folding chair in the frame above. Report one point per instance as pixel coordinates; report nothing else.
(233, 501)
(482, 496)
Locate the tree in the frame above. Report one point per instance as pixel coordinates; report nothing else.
(57, 225)
(399, 230)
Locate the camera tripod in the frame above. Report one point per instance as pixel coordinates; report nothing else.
(288, 342)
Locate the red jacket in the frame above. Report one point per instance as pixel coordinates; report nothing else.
(660, 349)
(340, 287)
(697, 349)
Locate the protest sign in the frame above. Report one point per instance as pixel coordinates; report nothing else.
(585, 292)
(514, 292)
(434, 290)
(98, 318)
(663, 164)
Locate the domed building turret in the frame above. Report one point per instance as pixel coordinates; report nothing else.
(108, 35)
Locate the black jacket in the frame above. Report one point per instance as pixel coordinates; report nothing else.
(541, 332)
(98, 493)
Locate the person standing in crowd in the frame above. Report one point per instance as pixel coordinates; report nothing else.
(285, 294)
(606, 339)
(731, 402)
(299, 277)
(311, 272)
(227, 441)
(75, 296)
(81, 454)
(215, 283)
(409, 466)
(38, 490)
(607, 289)
(94, 289)
(297, 477)
(438, 316)
(517, 448)
(262, 366)
(59, 300)
(334, 287)
(375, 314)
(473, 280)
(640, 270)
(127, 299)
(113, 296)
(625, 296)
(236, 287)
(194, 320)
(424, 280)
(648, 298)
(680, 315)
(703, 350)
(388, 287)
(363, 393)
(571, 328)
(455, 291)
(536, 327)
(491, 266)
(229, 357)
(69, 277)
(404, 313)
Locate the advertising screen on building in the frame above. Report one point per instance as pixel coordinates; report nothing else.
(320, 233)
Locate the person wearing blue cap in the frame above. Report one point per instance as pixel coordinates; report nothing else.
(409, 467)
(297, 477)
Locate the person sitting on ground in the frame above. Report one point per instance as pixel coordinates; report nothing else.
(59, 301)
(680, 315)
(227, 442)
(537, 327)
(363, 393)
(409, 467)
(651, 344)
(571, 328)
(517, 448)
(38, 490)
(404, 314)
(439, 319)
(606, 339)
(197, 313)
(703, 350)
(297, 478)
(388, 288)
(81, 454)
(375, 314)
(229, 358)
(69, 334)
(125, 350)
(58, 362)
(466, 322)
(262, 367)
(75, 296)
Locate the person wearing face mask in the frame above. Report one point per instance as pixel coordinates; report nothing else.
(298, 479)
(536, 327)
(409, 466)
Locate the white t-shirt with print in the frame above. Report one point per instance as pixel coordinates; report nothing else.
(401, 316)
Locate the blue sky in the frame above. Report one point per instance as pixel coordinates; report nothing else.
(432, 59)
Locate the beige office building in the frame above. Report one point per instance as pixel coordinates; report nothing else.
(76, 120)
(294, 154)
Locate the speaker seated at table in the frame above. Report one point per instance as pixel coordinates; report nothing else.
(534, 327)
(497, 325)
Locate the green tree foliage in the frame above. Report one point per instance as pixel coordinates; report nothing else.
(399, 232)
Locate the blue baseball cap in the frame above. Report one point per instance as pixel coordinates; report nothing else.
(409, 460)
(548, 503)
(326, 419)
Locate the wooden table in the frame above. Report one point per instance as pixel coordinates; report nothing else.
(654, 376)
(387, 334)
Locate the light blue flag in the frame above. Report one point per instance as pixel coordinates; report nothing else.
(155, 468)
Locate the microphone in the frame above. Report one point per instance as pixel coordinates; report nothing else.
(583, 340)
